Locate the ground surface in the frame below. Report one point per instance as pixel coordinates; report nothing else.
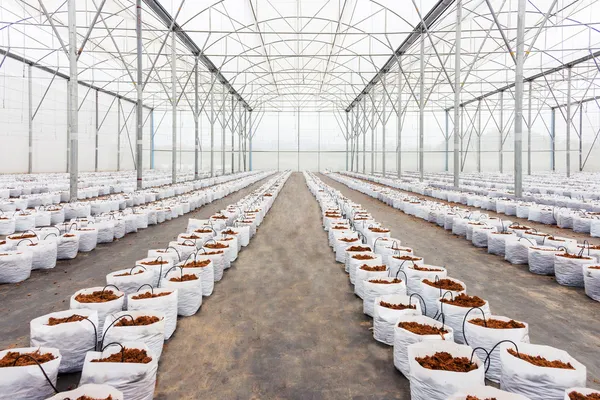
(558, 316)
(284, 322)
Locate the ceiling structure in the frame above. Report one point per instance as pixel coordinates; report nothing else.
(277, 55)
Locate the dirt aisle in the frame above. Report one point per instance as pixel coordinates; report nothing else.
(558, 316)
(283, 324)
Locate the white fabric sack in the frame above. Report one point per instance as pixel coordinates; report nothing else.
(595, 228)
(480, 235)
(427, 384)
(569, 271)
(497, 242)
(454, 316)
(431, 296)
(414, 276)
(581, 224)
(130, 283)
(7, 225)
(15, 266)
(72, 339)
(354, 263)
(88, 239)
(94, 391)
(152, 335)
(539, 383)
(68, 246)
(135, 380)
(166, 304)
(156, 265)
(374, 290)
(131, 223)
(165, 254)
(24, 222)
(206, 273)
(542, 258)
(403, 261)
(487, 338)
(104, 308)
(517, 250)
(189, 293)
(404, 338)
(486, 392)
(119, 228)
(362, 275)
(43, 253)
(384, 318)
(591, 279)
(28, 382)
(106, 231)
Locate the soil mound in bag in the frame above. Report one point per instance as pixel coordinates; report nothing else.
(26, 380)
(144, 326)
(455, 369)
(522, 371)
(129, 367)
(72, 332)
(161, 300)
(386, 311)
(103, 300)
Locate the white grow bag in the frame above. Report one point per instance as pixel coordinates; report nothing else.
(591, 279)
(404, 338)
(166, 304)
(130, 280)
(454, 316)
(44, 253)
(189, 293)
(539, 383)
(384, 318)
(15, 266)
(569, 271)
(152, 335)
(72, 339)
(374, 290)
(135, 380)
(432, 294)
(68, 246)
(427, 384)
(104, 308)
(28, 382)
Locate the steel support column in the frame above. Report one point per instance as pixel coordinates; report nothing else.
(73, 102)
(139, 123)
(457, 89)
(174, 107)
(196, 121)
(447, 140)
(347, 135)
(232, 134)
(479, 133)
(319, 142)
(278, 113)
(152, 139)
(519, 91)
(96, 129)
(422, 108)
(356, 135)
(383, 123)
(118, 134)
(373, 125)
(580, 137)
(223, 130)
(399, 121)
(553, 139)
(529, 123)
(569, 120)
(364, 134)
(501, 144)
(250, 134)
(30, 120)
(212, 127)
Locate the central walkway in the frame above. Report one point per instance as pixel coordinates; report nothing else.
(282, 324)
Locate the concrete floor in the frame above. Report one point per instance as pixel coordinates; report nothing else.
(558, 316)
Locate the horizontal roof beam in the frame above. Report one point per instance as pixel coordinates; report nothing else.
(166, 18)
(432, 16)
(49, 70)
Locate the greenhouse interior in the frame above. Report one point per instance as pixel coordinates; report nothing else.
(196, 196)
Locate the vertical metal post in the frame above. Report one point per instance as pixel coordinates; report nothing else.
(319, 141)
(457, 89)
(250, 134)
(119, 134)
(569, 121)
(232, 134)
(399, 121)
(96, 128)
(73, 101)
(479, 133)
(580, 137)
(278, 145)
(501, 150)
(447, 139)
(356, 134)
(462, 139)
(529, 123)
(422, 109)
(347, 135)
(364, 134)
(245, 136)
(242, 126)
(30, 119)
(383, 123)
(223, 130)
(196, 121)
(212, 126)
(352, 140)
(152, 139)
(519, 89)
(139, 153)
(373, 121)
(553, 139)
(174, 106)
